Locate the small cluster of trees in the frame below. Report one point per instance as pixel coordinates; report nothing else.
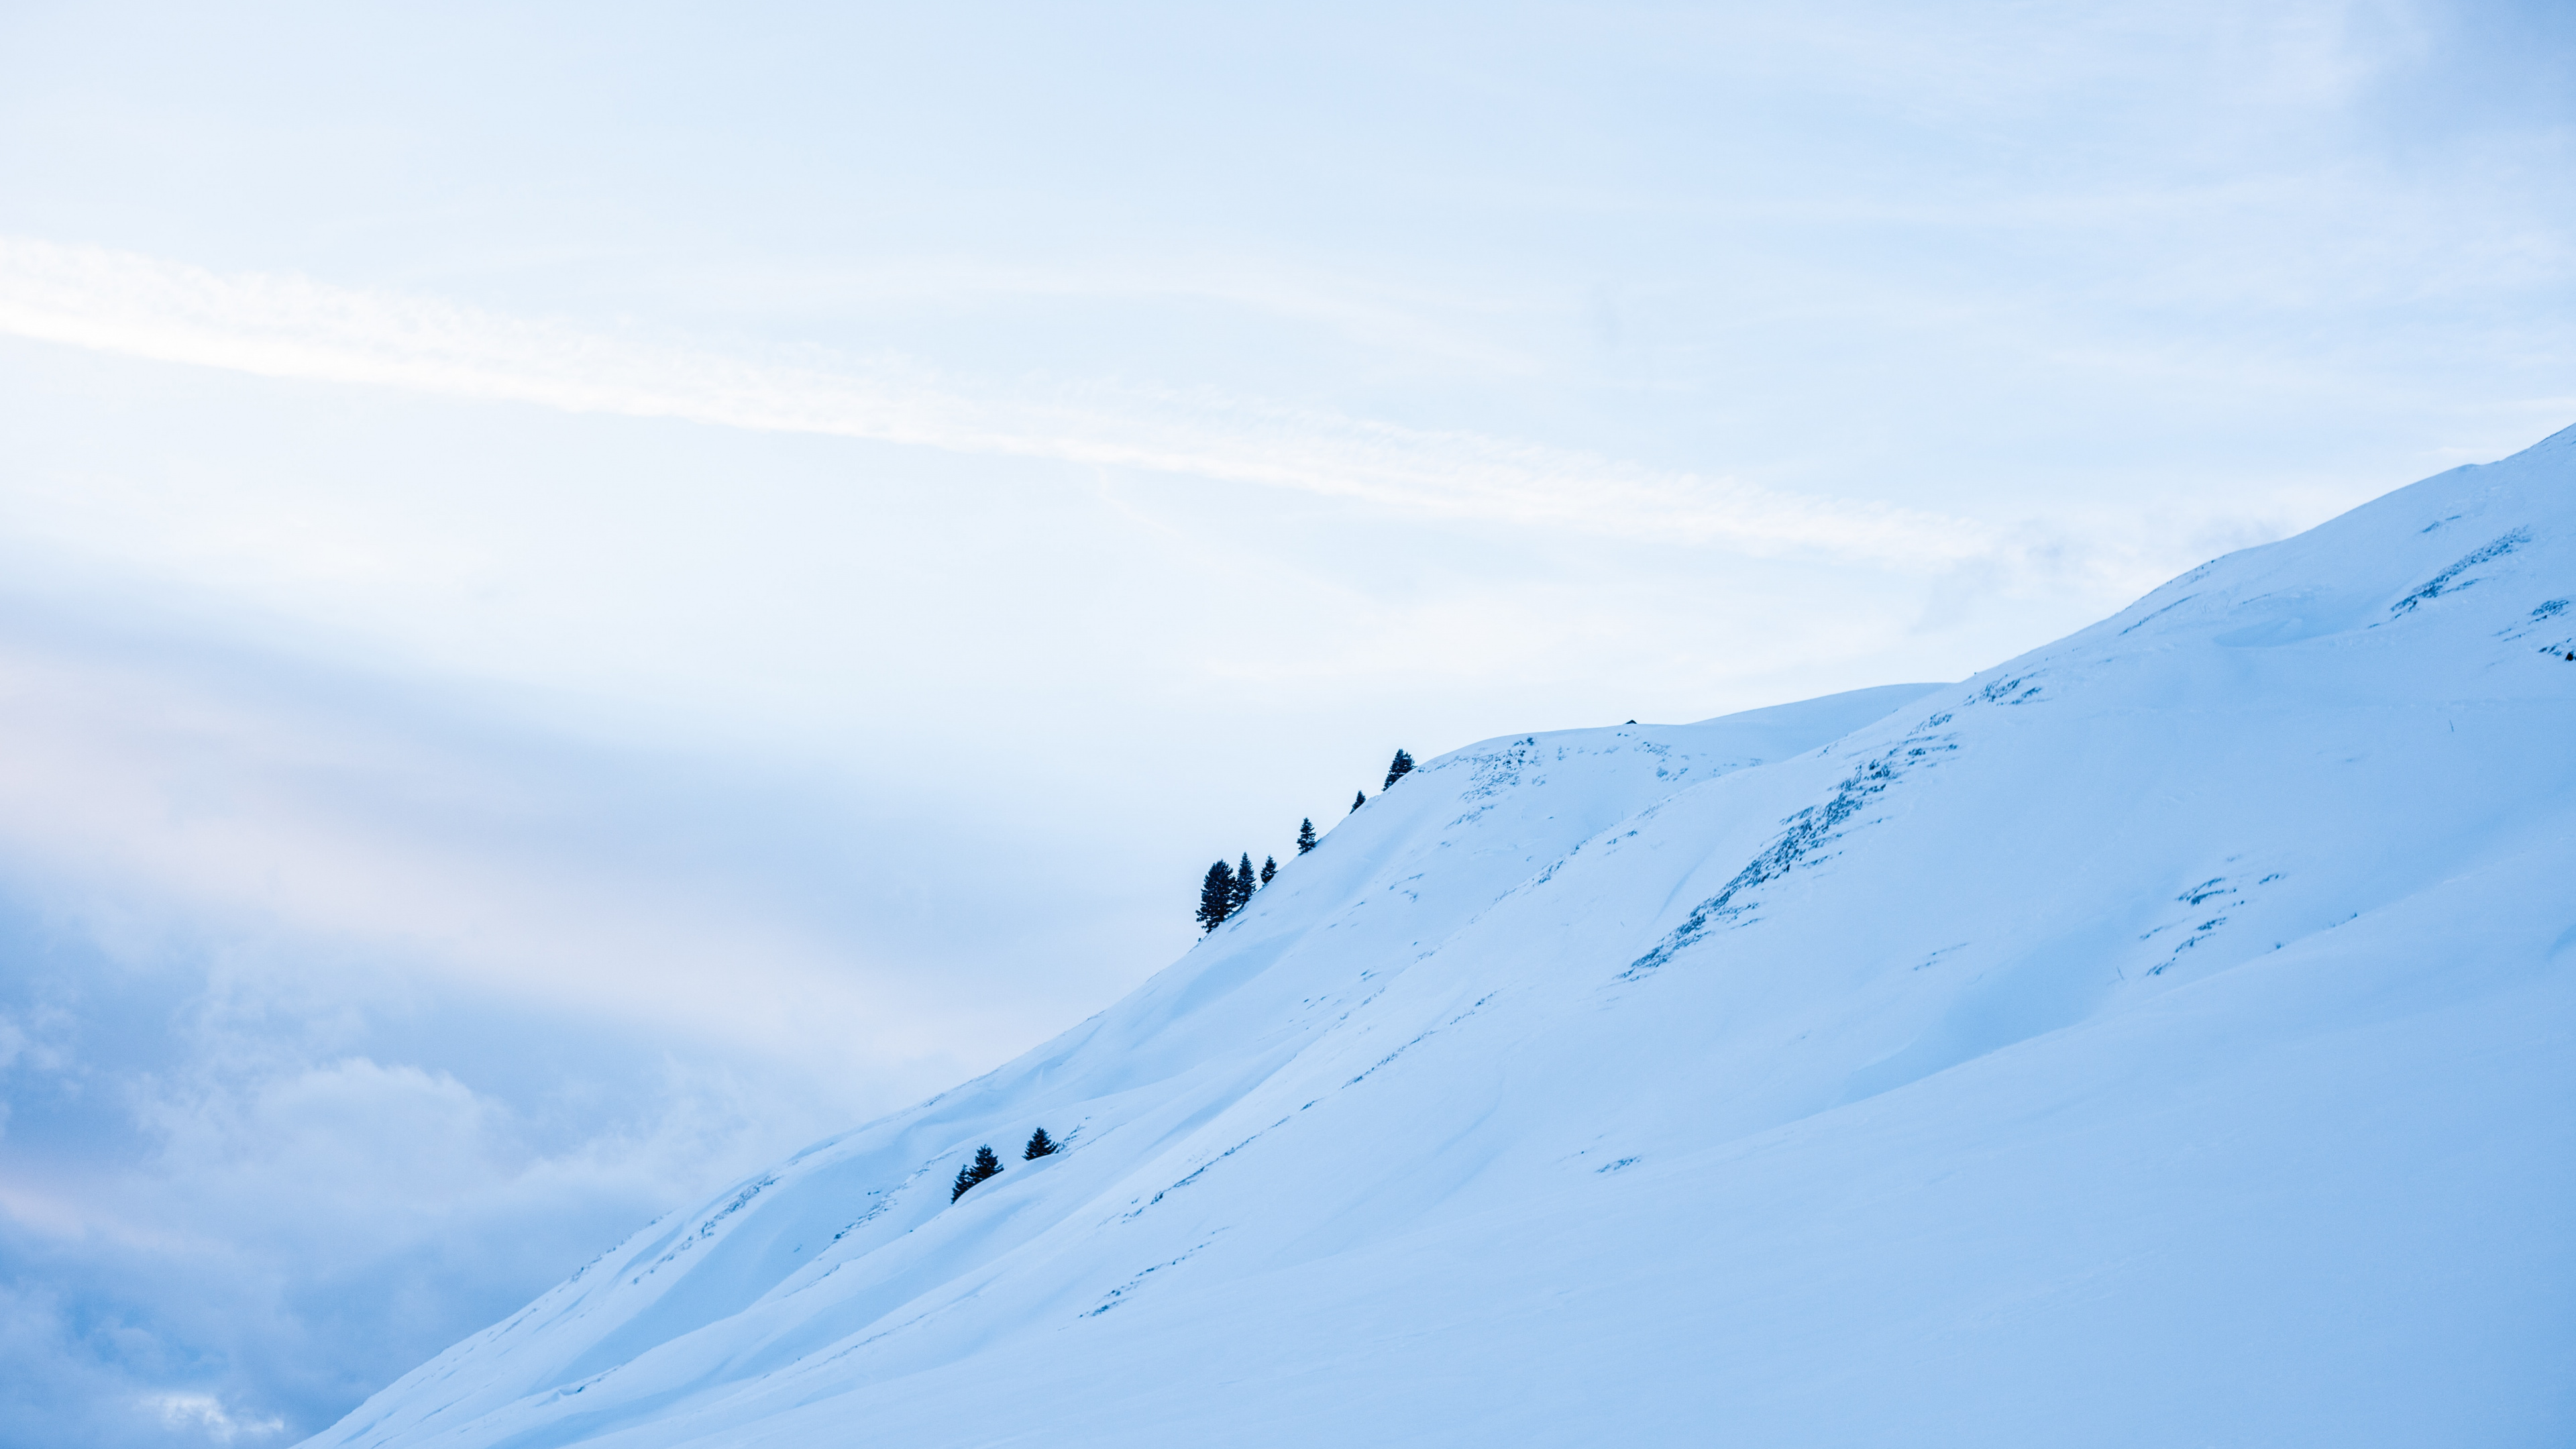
(1227, 889)
(987, 1165)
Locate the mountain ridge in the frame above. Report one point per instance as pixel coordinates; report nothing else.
(1735, 1077)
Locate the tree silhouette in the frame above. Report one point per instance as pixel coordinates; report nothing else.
(1216, 896)
(1040, 1145)
(1269, 868)
(1305, 836)
(985, 1165)
(1402, 767)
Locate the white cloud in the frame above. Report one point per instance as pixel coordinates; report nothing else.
(289, 808)
(293, 327)
(207, 1415)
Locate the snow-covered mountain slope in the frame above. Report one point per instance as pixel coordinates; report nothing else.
(2164, 1038)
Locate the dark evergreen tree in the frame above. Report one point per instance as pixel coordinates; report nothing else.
(1402, 767)
(1305, 836)
(985, 1165)
(1269, 868)
(1040, 1145)
(1244, 881)
(1358, 798)
(1216, 896)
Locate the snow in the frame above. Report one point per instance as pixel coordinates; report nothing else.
(2162, 1038)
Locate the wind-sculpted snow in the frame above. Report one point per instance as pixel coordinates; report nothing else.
(2450, 578)
(1811, 831)
(2161, 1038)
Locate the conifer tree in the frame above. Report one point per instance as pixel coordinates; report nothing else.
(1040, 1145)
(1244, 881)
(1402, 767)
(1269, 868)
(985, 1165)
(1305, 836)
(1358, 798)
(1216, 896)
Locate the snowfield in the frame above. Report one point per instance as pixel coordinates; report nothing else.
(2165, 1038)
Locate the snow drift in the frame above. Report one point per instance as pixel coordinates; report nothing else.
(2162, 1038)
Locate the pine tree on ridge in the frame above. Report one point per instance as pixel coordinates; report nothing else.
(1358, 798)
(1040, 1145)
(1269, 867)
(1244, 881)
(1402, 767)
(1216, 896)
(985, 1165)
(1305, 836)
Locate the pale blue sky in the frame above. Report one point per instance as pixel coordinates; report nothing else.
(588, 594)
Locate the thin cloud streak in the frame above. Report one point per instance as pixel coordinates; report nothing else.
(291, 327)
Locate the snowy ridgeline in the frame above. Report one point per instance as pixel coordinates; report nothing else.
(2164, 1038)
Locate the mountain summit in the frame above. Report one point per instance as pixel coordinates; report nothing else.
(2163, 1038)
